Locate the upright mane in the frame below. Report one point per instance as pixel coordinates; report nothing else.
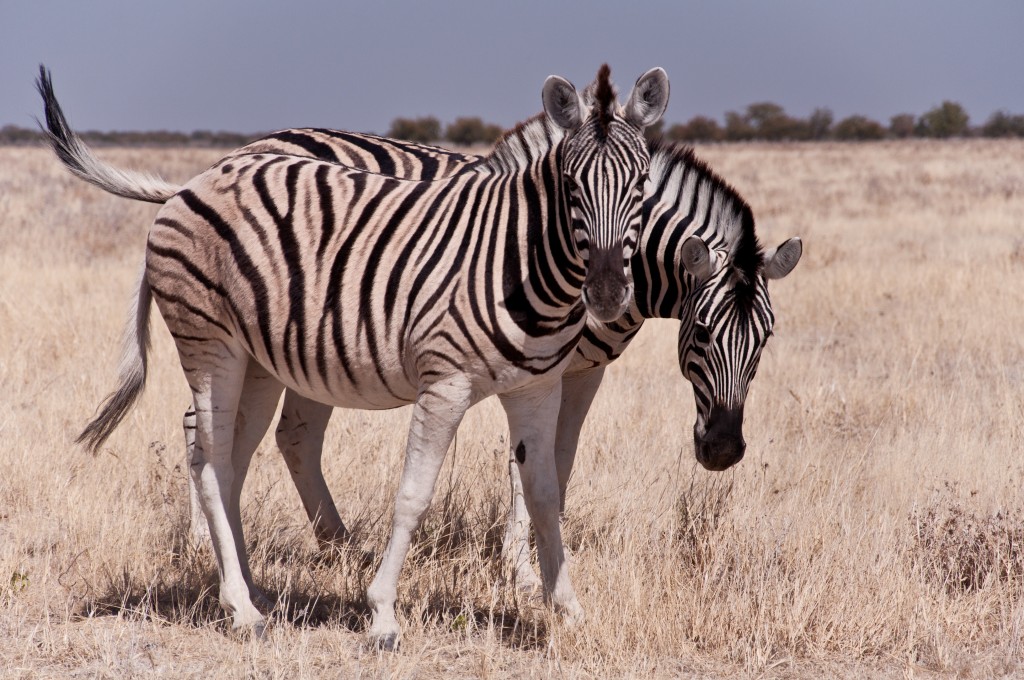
(523, 145)
(746, 256)
(604, 98)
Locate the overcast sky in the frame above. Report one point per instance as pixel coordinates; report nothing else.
(256, 65)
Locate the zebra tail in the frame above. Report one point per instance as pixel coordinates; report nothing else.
(79, 159)
(135, 345)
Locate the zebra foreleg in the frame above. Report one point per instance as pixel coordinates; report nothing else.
(435, 418)
(515, 547)
(532, 415)
(300, 437)
(578, 392)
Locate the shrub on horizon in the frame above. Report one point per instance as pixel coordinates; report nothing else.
(469, 131)
(858, 129)
(424, 130)
(946, 120)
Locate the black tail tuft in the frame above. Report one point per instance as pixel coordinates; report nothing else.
(60, 135)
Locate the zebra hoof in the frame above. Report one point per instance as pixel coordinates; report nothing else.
(385, 643)
(528, 584)
(261, 601)
(259, 631)
(571, 614)
(253, 631)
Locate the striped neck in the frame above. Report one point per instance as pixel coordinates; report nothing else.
(543, 272)
(686, 199)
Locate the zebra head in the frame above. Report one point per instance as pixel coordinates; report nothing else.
(604, 166)
(720, 345)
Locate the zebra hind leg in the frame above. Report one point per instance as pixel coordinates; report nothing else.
(215, 371)
(198, 529)
(260, 393)
(300, 437)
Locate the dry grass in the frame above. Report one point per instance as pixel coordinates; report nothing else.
(875, 527)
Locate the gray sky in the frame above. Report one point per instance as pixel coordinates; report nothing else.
(258, 65)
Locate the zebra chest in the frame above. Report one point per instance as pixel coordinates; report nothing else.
(603, 343)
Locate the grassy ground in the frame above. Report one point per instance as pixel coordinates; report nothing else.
(874, 528)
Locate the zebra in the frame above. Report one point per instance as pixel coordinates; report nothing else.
(267, 270)
(699, 261)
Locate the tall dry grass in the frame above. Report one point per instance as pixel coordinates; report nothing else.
(874, 528)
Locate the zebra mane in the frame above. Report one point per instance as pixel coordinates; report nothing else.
(600, 95)
(522, 146)
(746, 255)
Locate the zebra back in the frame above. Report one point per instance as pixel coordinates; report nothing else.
(363, 151)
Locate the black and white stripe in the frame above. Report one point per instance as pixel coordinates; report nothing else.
(359, 289)
(698, 261)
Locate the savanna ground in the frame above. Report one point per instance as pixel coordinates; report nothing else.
(875, 527)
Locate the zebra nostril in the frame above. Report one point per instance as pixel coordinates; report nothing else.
(627, 296)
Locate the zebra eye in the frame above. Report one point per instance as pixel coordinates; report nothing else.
(701, 335)
(641, 183)
(570, 184)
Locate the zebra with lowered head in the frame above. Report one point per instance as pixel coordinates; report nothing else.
(362, 290)
(699, 261)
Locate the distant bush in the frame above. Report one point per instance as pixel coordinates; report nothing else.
(699, 129)
(858, 129)
(819, 125)
(219, 138)
(425, 130)
(901, 125)
(12, 134)
(737, 127)
(469, 131)
(768, 121)
(1003, 124)
(946, 120)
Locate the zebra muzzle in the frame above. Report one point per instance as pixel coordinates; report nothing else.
(607, 290)
(721, 445)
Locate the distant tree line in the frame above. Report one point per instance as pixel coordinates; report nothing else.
(464, 131)
(761, 121)
(767, 121)
(14, 135)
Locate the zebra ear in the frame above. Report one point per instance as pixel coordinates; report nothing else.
(649, 98)
(562, 103)
(697, 258)
(780, 261)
